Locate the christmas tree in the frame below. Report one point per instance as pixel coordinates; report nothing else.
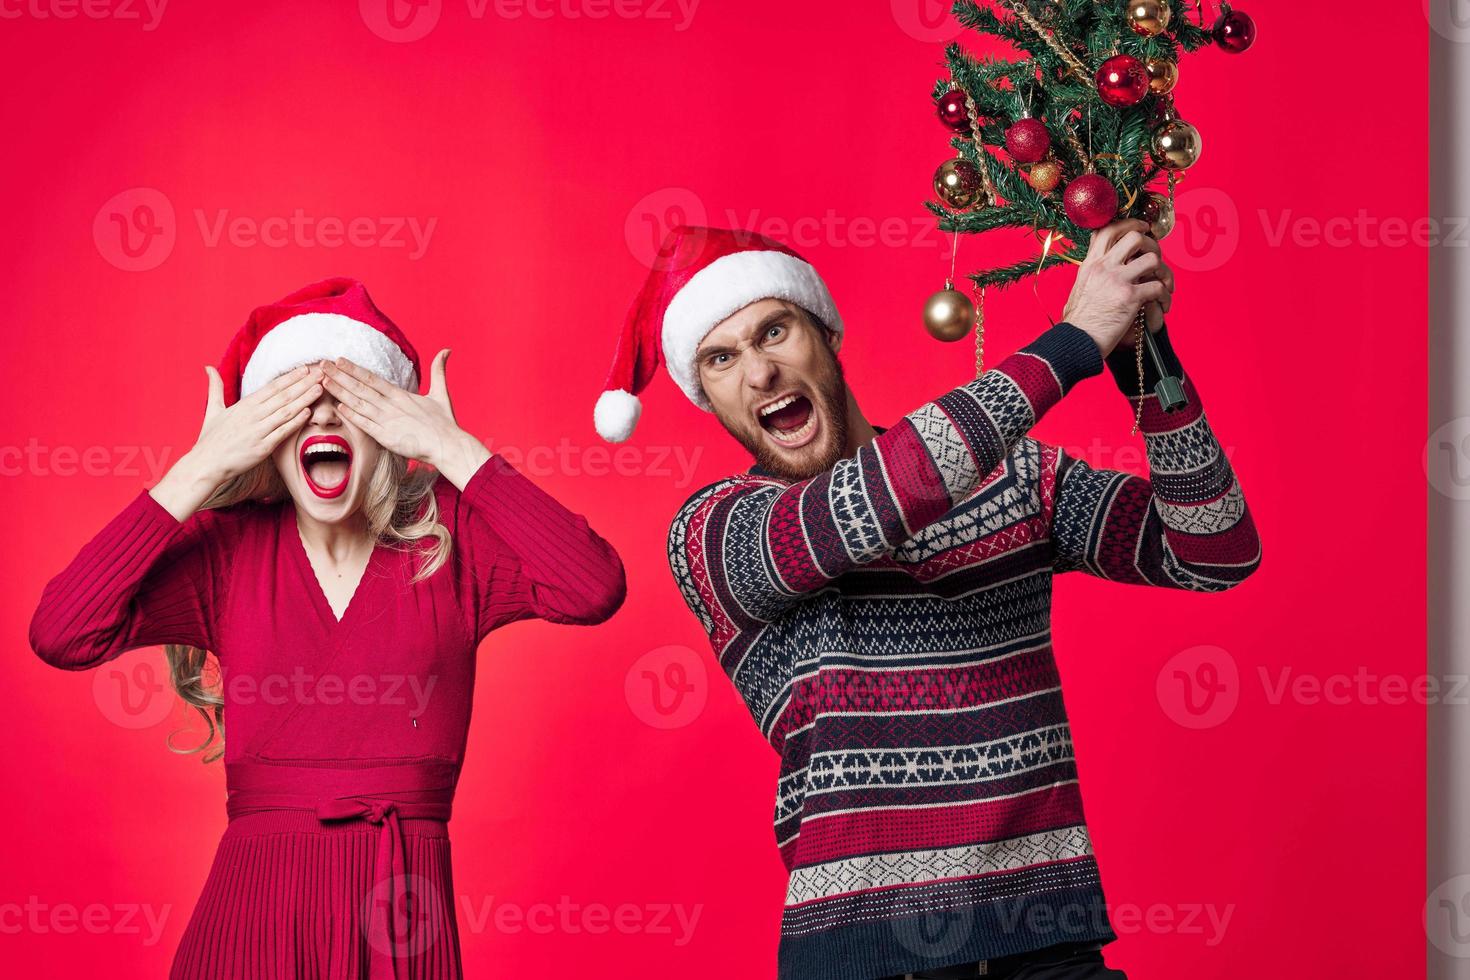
(1079, 131)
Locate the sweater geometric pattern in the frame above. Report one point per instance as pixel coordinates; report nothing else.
(887, 624)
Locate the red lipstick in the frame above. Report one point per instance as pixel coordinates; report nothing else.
(331, 452)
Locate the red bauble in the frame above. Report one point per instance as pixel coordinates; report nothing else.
(953, 111)
(1234, 32)
(1090, 201)
(1027, 140)
(1122, 81)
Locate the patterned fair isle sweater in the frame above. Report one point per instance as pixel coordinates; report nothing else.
(887, 623)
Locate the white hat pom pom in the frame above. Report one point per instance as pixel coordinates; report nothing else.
(616, 414)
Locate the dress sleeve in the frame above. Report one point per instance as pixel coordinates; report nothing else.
(526, 556)
(145, 579)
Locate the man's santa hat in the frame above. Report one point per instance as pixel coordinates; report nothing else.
(701, 276)
(324, 321)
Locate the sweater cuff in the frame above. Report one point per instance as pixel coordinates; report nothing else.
(1072, 354)
(485, 475)
(147, 519)
(1123, 365)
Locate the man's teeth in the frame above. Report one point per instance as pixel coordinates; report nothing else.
(777, 406)
(795, 434)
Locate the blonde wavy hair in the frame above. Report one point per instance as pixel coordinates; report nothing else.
(401, 512)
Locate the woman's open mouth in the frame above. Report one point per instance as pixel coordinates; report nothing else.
(326, 462)
(790, 420)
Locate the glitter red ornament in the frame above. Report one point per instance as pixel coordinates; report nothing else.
(1122, 81)
(1090, 201)
(1027, 140)
(953, 111)
(1234, 31)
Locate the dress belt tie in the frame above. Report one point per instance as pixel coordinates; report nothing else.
(419, 792)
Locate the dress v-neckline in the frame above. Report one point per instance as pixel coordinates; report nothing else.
(323, 605)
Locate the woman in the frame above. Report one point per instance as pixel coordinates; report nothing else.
(343, 594)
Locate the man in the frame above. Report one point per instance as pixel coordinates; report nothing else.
(881, 598)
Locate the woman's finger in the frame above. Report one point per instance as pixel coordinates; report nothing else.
(214, 400)
(284, 395)
(345, 388)
(305, 399)
(355, 379)
(366, 377)
(281, 432)
(275, 386)
(370, 426)
(438, 385)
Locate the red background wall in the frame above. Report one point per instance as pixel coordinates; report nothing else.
(1279, 828)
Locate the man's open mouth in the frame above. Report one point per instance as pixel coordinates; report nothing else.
(326, 462)
(791, 420)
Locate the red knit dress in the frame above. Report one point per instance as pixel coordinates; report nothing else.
(345, 738)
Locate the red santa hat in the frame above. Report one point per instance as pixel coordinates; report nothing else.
(324, 321)
(701, 276)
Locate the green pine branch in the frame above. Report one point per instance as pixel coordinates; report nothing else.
(1086, 133)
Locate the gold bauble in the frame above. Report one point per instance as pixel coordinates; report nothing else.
(1148, 17)
(1163, 75)
(957, 182)
(1158, 211)
(1176, 145)
(949, 315)
(1044, 176)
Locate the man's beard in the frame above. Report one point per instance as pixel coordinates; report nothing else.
(829, 400)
